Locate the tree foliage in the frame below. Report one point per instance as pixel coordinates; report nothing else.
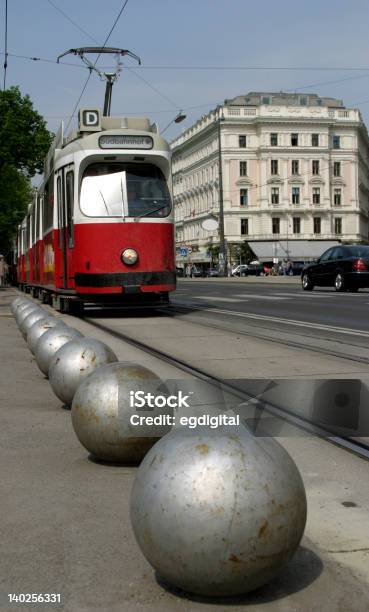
(24, 142)
(24, 138)
(15, 196)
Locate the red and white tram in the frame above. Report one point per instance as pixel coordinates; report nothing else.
(101, 227)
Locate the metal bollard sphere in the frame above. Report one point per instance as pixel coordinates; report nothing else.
(50, 342)
(73, 362)
(17, 303)
(20, 314)
(39, 328)
(218, 512)
(33, 316)
(25, 313)
(101, 413)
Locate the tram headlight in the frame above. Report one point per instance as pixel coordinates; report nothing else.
(129, 256)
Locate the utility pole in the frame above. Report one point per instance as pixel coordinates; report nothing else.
(223, 264)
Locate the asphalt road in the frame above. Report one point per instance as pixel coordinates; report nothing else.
(279, 304)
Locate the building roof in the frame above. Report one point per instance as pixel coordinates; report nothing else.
(257, 98)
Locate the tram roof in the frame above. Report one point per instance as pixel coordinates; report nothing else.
(92, 125)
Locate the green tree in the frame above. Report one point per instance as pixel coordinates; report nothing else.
(24, 138)
(15, 195)
(24, 142)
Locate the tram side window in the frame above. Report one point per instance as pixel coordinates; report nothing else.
(34, 224)
(60, 210)
(69, 182)
(27, 233)
(48, 206)
(38, 217)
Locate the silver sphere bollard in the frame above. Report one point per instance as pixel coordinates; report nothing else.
(34, 316)
(17, 303)
(218, 512)
(50, 342)
(24, 312)
(39, 328)
(73, 362)
(101, 413)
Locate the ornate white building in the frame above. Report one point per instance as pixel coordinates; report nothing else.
(295, 171)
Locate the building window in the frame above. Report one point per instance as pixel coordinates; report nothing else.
(315, 140)
(316, 195)
(275, 225)
(274, 166)
(294, 140)
(337, 197)
(295, 166)
(265, 100)
(295, 195)
(296, 225)
(244, 227)
(303, 101)
(315, 166)
(317, 225)
(338, 226)
(243, 168)
(242, 141)
(337, 169)
(336, 142)
(274, 139)
(243, 197)
(275, 195)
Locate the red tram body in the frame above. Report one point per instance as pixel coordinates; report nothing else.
(101, 229)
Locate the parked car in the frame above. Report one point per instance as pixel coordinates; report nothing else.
(255, 268)
(212, 272)
(345, 267)
(247, 269)
(240, 270)
(297, 267)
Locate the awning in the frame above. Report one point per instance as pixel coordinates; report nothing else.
(290, 249)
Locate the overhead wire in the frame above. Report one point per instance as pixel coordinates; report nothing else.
(161, 94)
(97, 59)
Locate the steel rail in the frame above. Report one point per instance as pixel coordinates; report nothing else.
(347, 443)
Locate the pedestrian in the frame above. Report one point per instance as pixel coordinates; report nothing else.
(3, 270)
(284, 267)
(289, 268)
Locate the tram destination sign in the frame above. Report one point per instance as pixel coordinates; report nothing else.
(125, 142)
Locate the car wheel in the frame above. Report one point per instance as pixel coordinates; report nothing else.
(307, 283)
(339, 282)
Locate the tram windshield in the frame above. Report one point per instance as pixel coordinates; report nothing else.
(124, 189)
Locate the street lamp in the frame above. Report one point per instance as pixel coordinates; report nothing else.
(177, 119)
(223, 267)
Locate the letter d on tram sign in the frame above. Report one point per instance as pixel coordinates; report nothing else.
(89, 120)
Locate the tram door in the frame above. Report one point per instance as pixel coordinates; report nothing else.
(65, 195)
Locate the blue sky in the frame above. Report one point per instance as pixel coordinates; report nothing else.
(197, 33)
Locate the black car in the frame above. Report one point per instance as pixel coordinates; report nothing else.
(344, 267)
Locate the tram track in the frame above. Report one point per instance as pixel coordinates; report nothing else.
(260, 324)
(345, 442)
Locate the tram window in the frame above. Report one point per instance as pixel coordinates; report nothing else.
(60, 210)
(106, 188)
(38, 219)
(69, 181)
(48, 206)
(28, 233)
(34, 224)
